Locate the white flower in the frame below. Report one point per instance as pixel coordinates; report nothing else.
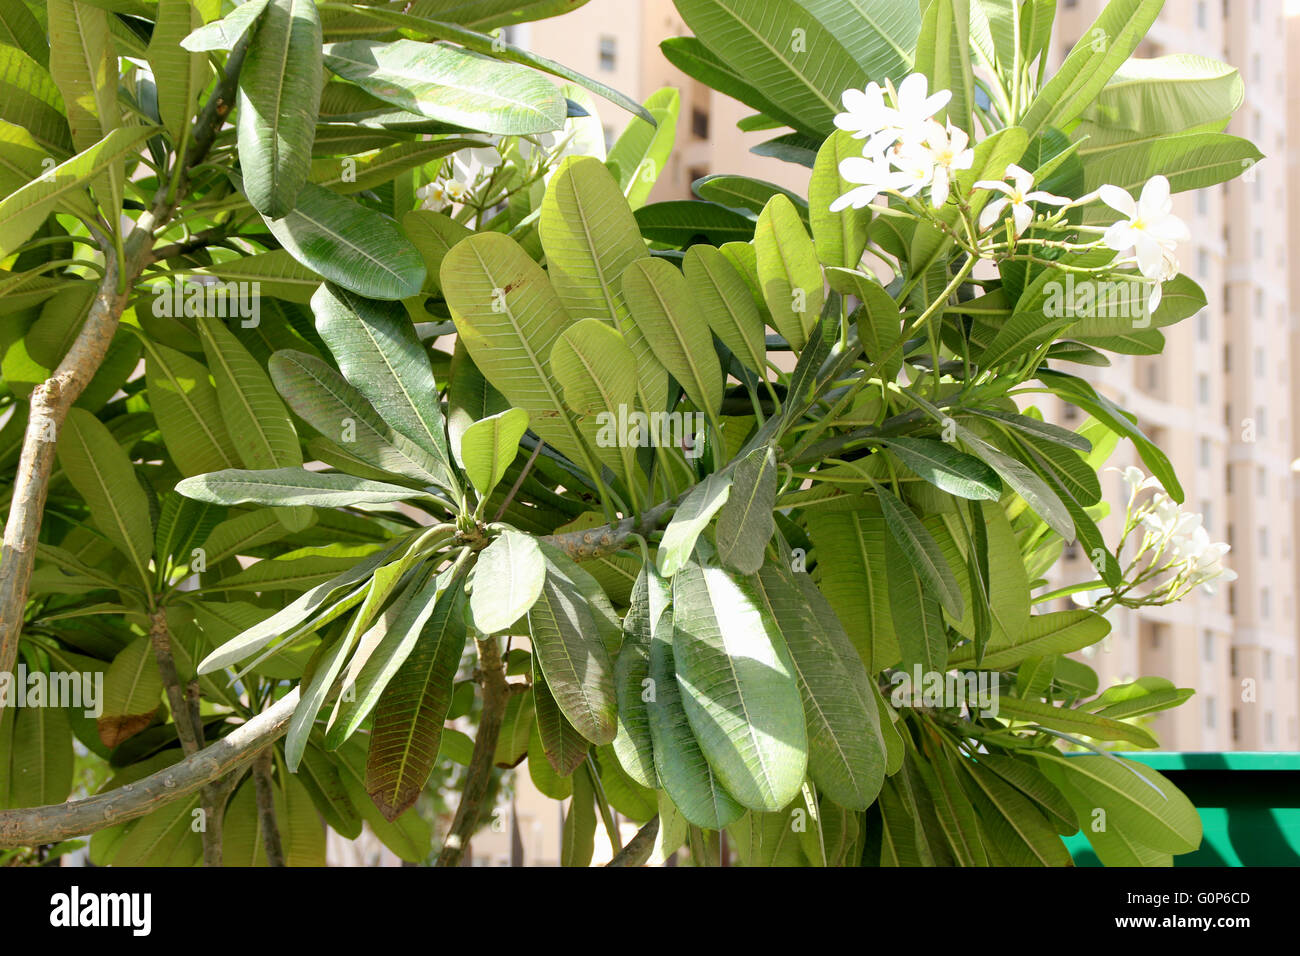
(865, 113)
(915, 108)
(1018, 196)
(872, 176)
(1087, 598)
(1137, 480)
(1163, 517)
(1151, 229)
(439, 195)
(867, 116)
(947, 149)
(916, 168)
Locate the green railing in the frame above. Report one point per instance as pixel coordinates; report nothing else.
(1249, 804)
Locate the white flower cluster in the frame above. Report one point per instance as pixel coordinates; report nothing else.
(1195, 559)
(1174, 556)
(906, 150)
(454, 186)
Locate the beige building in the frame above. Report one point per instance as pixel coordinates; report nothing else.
(1220, 399)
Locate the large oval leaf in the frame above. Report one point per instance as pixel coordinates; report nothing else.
(738, 687)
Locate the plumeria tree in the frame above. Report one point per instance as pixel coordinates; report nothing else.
(731, 514)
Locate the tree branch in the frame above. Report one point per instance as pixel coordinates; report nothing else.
(35, 825)
(496, 692)
(638, 848)
(51, 399)
(266, 807)
(189, 728)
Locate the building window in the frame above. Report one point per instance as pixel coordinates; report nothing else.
(1265, 604)
(1268, 728)
(1203, 389)
(1211, 705)
(1227, 357)
(1261, 421)
(1268, 665)
(1232, 662)
(1207, 513)
(1260, 365)
(1236, 726)
(1202, 202)
(1263, 542)
(1207, 646)
(1203, 325)
(1204, 445)
(1201, 14)
(1202, 263)
(608, 53)
(699, 123)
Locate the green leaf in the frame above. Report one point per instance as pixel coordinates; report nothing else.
(1146, 695)
(853, 574)
(943, 55)
(684, 774)
(256, 420)
(738, 687)
(223, 34)
(745, 524)
(184, 403)
(686, 222)
(916, 614)
(179, 74)
(921, 551)
(633, 742)
(284, 621)
(578, 834)
(661, 306)
(132, 687)
(846, 757)
(508, 317)
(279, 99)
(421, 615)
(1099, 52)
(21, 30)
(598, 374)
(689, 521)
(42, 757)
(378, 352)
(1016, 829)
(567, 644)
(1059, 632)
(30, 100)
(562, 745)
(1161, 96)
(641, 151)
(947, 468)
(451, 85)
(83, 64)
(23, 211)
(1140, 803)
(290, 486)
(489, 446)
(103, 475)
(1188, 161)
(350, 245)
(721, 294)
(840, 237)
(506, 581)
(696, 60)
(1073, 720)
(590, 237)
(804, 79)
(1042, 500)
(1078, 392)
(745, 192)
(788, 271)
(433, 234)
